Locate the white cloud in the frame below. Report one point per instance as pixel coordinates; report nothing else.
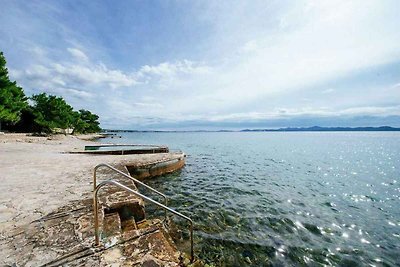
(80, 93)
(72, 74)
(168, 75)
(89, 74)
(148, 105)
(130, 114)
(373, 111)
(250, 46)
(321, 41)
(78, 54)
(262, 60)
(86, 80)
(171, 69)
(328, 91)
(300, 112)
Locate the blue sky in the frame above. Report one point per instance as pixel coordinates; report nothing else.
(211, 64)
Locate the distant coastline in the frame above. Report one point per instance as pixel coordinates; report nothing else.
(287, 129)
(327, 129)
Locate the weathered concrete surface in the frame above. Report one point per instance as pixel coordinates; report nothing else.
(37, 178)
(143, 171)
(38, 175)
(119, 149)
(66, 236)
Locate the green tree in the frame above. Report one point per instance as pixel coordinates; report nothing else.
(86, 122)
(52, 112)
(12, 97)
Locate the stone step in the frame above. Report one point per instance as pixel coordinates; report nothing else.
(129, 225)
(111, 225)
(65, 237)
(150, 248)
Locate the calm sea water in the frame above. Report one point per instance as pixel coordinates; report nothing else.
(281, 199)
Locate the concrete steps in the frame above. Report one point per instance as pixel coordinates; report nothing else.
(65, 237)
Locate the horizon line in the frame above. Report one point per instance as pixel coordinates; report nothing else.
(282, 129)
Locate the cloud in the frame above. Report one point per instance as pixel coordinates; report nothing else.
(88, 74)
(170, 75)
(79, 93)
(306, 112)
(321, 42)
(167, 69)
(78, 54)
(216, 62)
(148, 105)
(276, 118)
(79, 78)
(250, 46)
(328, 91)
(67, 74)
(375, 111)
(94, 74)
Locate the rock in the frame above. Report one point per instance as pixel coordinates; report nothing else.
(150, 263)
(247, 259)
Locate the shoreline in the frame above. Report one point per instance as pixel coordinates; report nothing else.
(46, 206)
(37, 175)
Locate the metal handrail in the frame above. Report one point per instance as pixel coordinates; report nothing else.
(129, 177)
(96, 217)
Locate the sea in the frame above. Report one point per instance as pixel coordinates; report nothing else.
(285, 198)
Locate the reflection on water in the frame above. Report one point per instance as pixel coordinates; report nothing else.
(261, 199)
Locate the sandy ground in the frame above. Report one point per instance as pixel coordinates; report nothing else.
(37, 176)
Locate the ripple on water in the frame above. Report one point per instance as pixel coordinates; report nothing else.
(261, 199)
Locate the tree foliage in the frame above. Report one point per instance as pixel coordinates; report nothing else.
(46, 113)
(26, 124)
(52, 112)
(12, 97)
(86, 122)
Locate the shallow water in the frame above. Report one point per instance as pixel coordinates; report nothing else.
(303, 198)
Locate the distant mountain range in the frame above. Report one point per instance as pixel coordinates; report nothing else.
(288, 129)
(326, 129)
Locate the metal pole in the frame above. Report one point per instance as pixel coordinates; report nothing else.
(96, 219)
(191, 241)
(94, 178)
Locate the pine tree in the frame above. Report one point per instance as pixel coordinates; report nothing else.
(86, 122)
(12, 97)
(52, 112)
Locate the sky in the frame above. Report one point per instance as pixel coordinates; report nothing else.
(191, 65)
